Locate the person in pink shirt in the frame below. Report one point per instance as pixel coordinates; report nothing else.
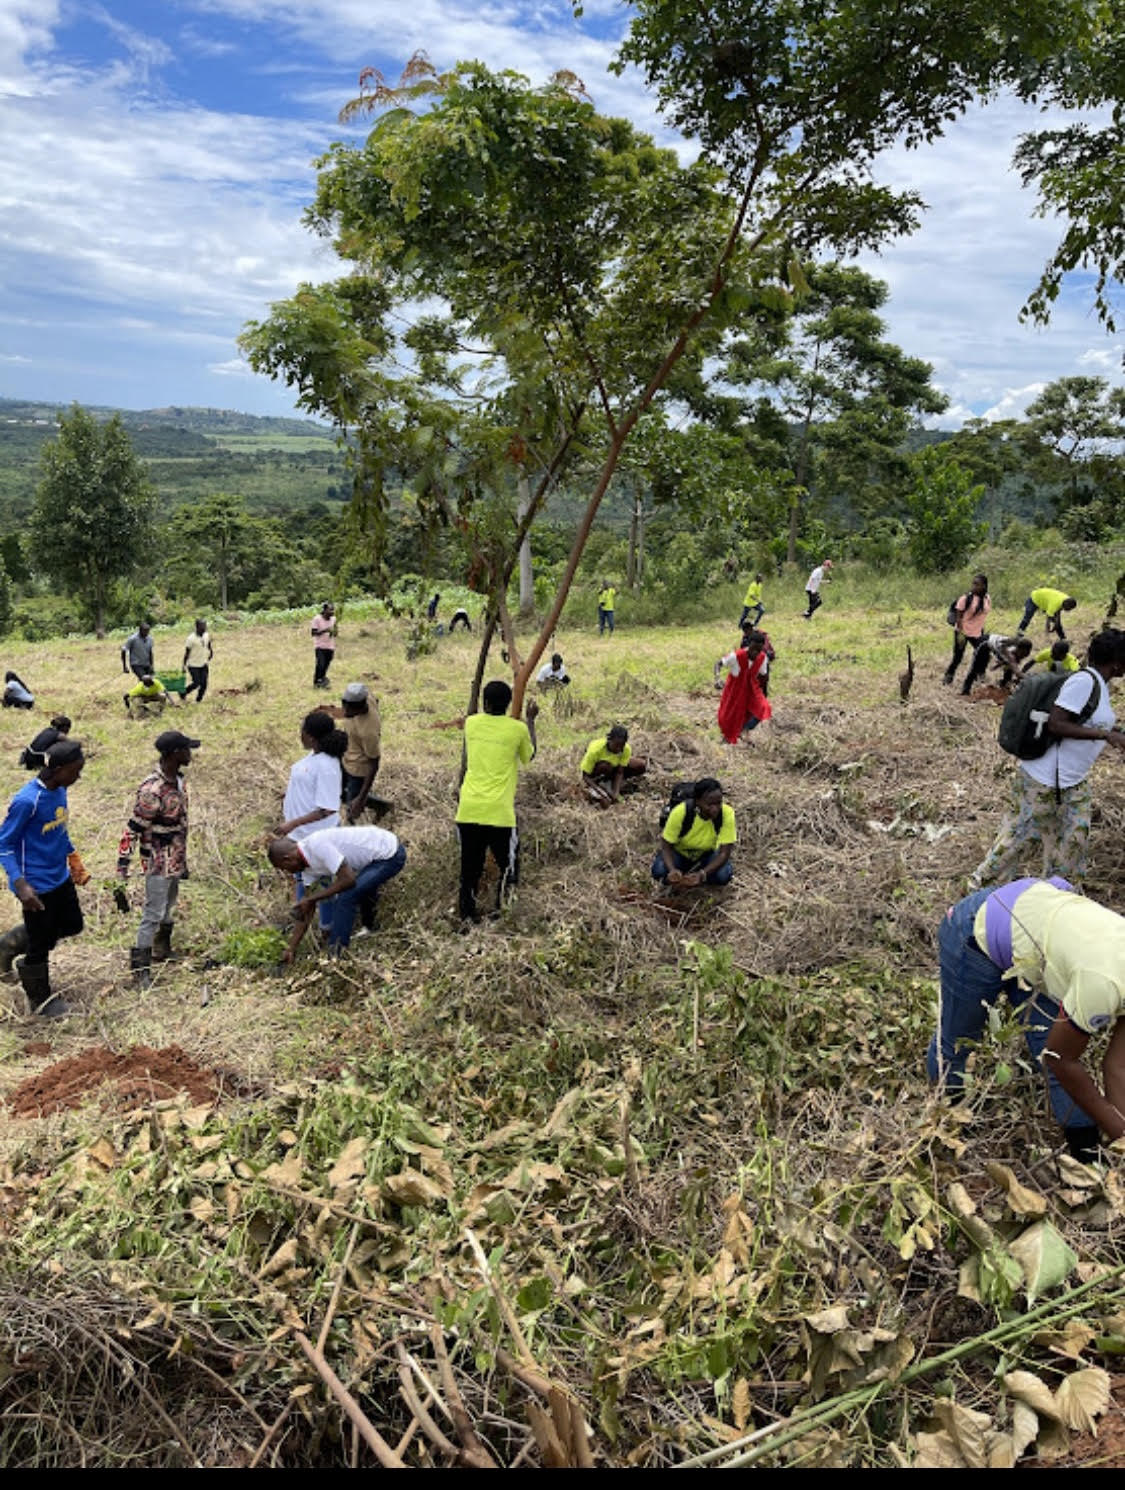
(324, 642)
(972, 609)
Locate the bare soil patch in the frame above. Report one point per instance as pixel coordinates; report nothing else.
(137, 1076)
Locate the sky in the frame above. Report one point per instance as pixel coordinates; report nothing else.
(158, 156)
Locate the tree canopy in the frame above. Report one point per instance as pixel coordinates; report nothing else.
(93, 517)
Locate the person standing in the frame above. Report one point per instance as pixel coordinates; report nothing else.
(1051, 798)
(324, 633)
(356, 862)
(159, 827)
(43, 869)
(752, 608)
(607, 600)
(136, 652)
(818, 577)
(197, 660)
(970, 611)
(1052, 603)
(495, 748)
(361, 759)
(312, 796)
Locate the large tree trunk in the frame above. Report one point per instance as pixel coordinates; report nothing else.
(527, 580)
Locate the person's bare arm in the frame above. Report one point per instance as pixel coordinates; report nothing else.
(717, 860)
(359, 801)
(1065, 726)
(303, 910)
(1063, 1055)
(283, 830)
(532, 713)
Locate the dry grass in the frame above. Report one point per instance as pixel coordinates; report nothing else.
(791, 1081)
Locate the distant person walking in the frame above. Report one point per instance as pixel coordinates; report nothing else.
(969, 612)
(1051, 798)
(197, 660)
(159, 828)
(607, 600)
(818, 577)
(136, 652)
(324, 633)
(1052, 603)
(752, 607)
(43, 869)
(495, 748)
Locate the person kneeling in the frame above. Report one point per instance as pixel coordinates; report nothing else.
(697, 839)
(610, 767)
(356, 862)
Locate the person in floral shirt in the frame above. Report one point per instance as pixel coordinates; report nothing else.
(159, 826)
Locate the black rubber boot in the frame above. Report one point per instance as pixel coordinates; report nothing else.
(13, 944)
(140, 962)
(1083, 1144)
(162, 942)
(36, 980)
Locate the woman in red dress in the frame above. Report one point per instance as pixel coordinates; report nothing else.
(744, 704)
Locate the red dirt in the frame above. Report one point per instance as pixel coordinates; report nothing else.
(140, 1075)
(1106, 1451)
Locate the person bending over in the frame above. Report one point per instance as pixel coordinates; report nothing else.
(1052, 603)
(609, 767)
(1006, 652)
(1060, 960)
(347, 866)
(697, 840)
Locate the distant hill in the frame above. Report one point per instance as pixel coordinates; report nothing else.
(194, 420)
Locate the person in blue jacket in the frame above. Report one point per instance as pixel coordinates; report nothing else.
(43, 868)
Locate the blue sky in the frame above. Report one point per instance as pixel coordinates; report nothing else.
(158, 156)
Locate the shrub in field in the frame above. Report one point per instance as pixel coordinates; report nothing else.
(943, 505)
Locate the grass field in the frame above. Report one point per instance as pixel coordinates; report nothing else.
(671, 1176)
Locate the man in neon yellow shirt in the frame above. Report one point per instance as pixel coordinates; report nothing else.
(495, 748)
(607, 599)
(148, 696)
(1060, 960)
(697, 840)
(608, 761)
(1052, 603)
(752, 601)
(1057, 658)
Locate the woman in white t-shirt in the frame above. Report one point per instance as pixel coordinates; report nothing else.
(312, 798)
(1051, 798)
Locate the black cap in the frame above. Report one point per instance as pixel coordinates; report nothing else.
(172, 740)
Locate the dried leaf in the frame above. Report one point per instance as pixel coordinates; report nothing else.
(1082, 1397)
(1023, 1201)
(412, 1187)
(103, 1152)
(1025, 1387)
(284, 1257)
(1071, 1340)
(1025, 1429)
(206, 1143)
(195, 1117)
(740, 1403)
(1053, 1442)
(1045, 1258)
(964, 1441)
(350, 1164)
(288, 1172)
(559, 1121)
(829, 1321)
(500, 1136)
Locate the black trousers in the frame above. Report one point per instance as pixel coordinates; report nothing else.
(199, 677)
(324, 656)
(61, 916)
(476, 841)
(814, 601)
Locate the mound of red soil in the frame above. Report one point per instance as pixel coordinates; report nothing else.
(139, 1075)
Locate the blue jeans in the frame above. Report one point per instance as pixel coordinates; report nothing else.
(971, 984)
(366, 887)
(721, 876)
(605, 618)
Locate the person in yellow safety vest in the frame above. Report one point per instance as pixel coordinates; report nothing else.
(607, 598)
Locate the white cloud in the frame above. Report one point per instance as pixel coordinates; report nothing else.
(234, 367)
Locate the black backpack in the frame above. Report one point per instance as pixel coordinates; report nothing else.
(681, 792)
(1023, 724)
(953, 615)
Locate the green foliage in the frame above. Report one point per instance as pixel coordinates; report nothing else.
(260, 946)
(943, 504)
(93, 518)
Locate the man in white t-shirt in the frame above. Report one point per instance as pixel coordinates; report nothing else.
(197, 660)
(1051, 798)
(355, 862)
(553, 674)
(812, 588)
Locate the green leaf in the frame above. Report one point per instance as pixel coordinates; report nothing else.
(1045, 1258)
